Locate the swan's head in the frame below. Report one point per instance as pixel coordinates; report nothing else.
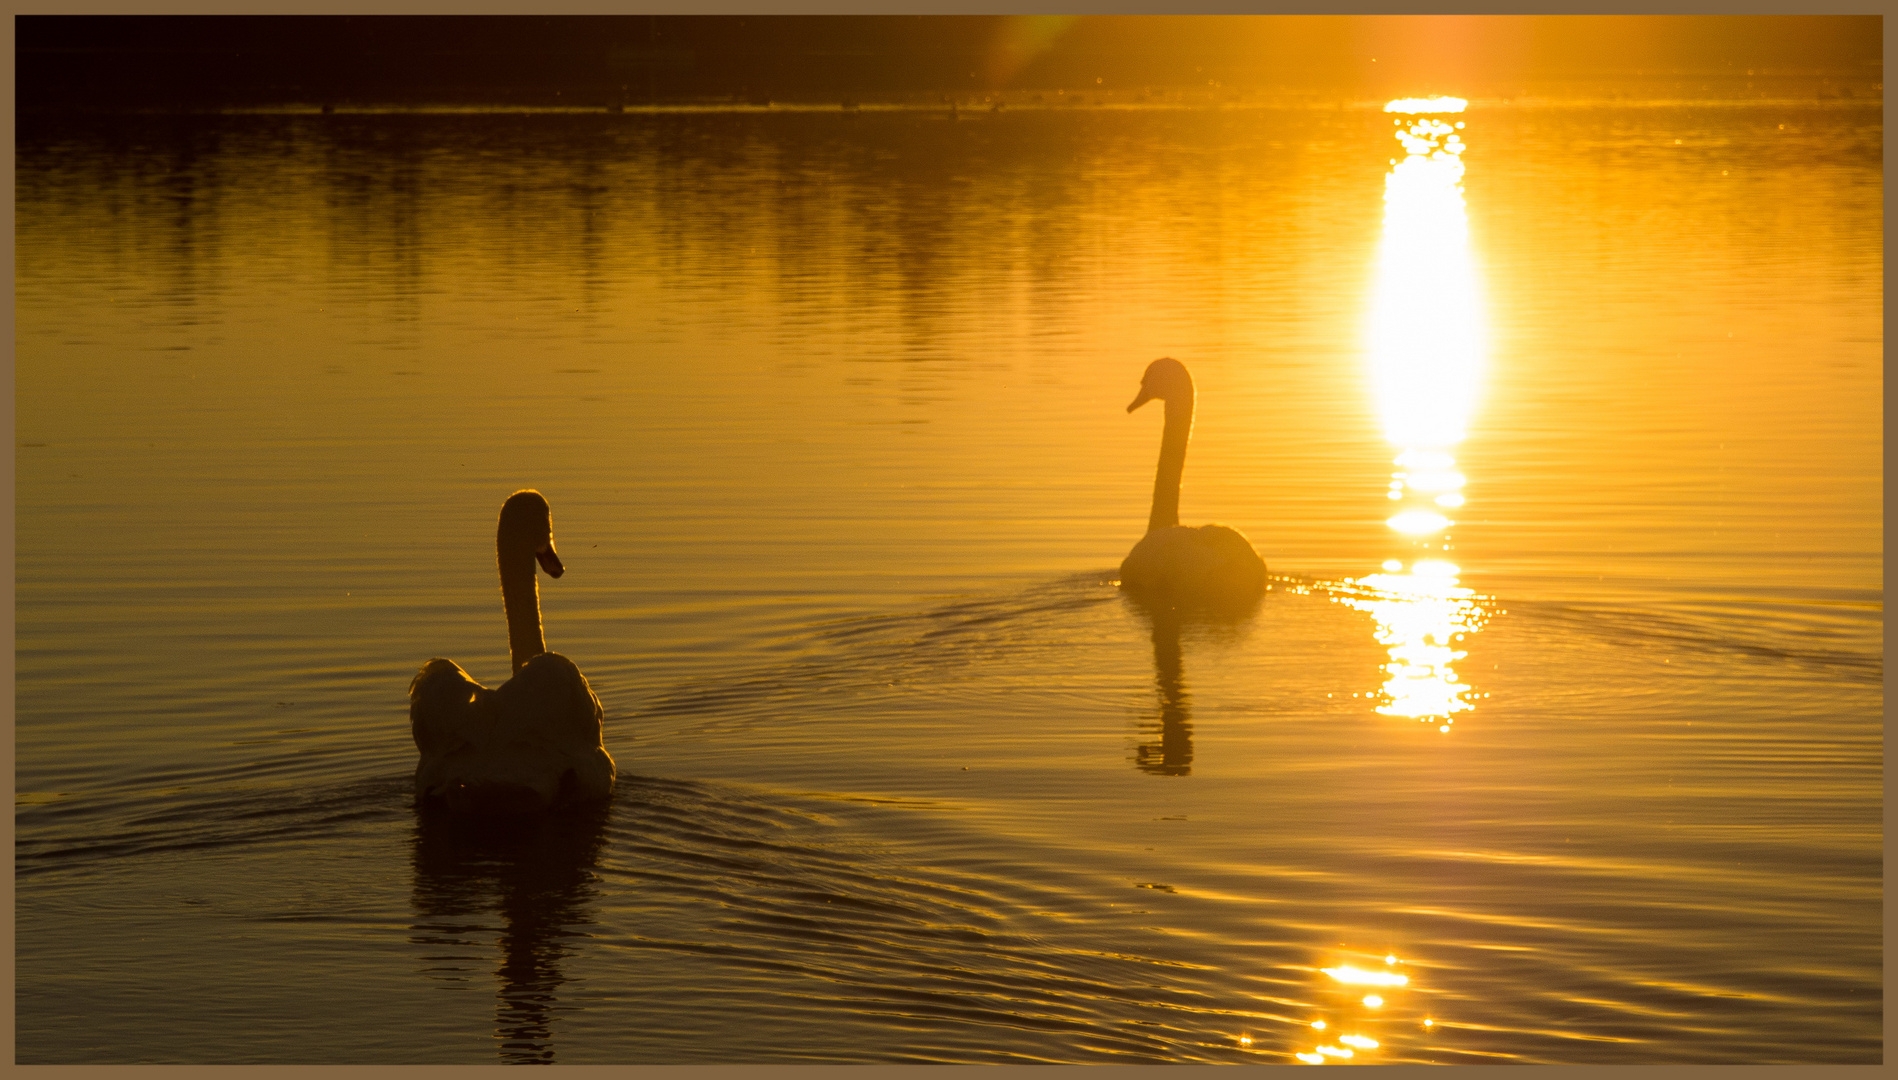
(527, 522)
(1166, 379)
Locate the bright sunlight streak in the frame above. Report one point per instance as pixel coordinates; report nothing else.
(1426, 334)
(1426, 350)
(1415, 105)
(1345, 973)
(1419, 616)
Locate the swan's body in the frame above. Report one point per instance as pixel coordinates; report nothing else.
(1212, 562)
(534, 742)
(1208, 562)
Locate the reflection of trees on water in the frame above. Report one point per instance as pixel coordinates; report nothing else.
(1172, 753)
(538, 874)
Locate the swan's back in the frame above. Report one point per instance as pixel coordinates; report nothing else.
(1212, 562)
(533, 743)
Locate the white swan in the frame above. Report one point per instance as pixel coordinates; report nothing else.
(534, 742)
(1212, 562)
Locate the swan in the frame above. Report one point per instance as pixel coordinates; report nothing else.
(534, 742)
(1210, 563)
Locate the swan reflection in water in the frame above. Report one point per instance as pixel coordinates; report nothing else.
(536, 873)
(1172, 753)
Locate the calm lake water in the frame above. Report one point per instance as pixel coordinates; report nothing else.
(830, 409)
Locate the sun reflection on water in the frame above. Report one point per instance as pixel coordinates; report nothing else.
(1352, 1006)
(1420, 616)
(1426, 333)
(1426, 348)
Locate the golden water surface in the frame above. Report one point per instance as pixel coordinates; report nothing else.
(1557, 738)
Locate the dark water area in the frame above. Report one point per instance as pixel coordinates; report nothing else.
(830, 411)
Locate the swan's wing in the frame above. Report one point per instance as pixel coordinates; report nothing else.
(539, 731)
(1164, 559)
(549, 701)
(551, 712)
(1233, 552)
(1210, 561)
(443, 708)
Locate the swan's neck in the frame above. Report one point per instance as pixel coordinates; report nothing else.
(520, 595)
(1166, 482)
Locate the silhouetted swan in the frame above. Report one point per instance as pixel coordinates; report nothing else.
(533, 743)
(1212, 562)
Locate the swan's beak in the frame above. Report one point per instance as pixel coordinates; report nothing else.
(549, 561)
(1144, 397)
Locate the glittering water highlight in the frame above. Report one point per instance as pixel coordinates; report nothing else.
(1426, 344)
